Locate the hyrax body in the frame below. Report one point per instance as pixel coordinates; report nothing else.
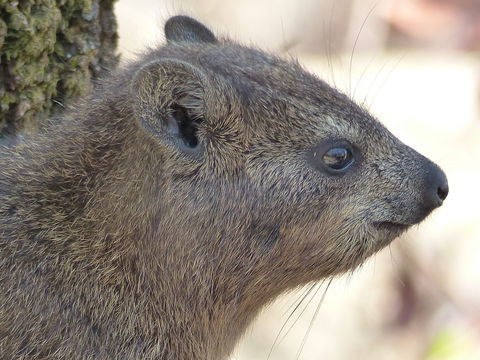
(194, 186)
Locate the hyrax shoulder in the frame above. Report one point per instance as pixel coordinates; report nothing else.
(194, 186)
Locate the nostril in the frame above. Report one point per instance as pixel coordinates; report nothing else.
(436, 187)
(442, 191)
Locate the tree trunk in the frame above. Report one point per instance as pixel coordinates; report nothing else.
(50, 51)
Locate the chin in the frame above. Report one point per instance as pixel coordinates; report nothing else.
(387, 231)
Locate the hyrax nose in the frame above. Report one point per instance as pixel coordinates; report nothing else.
(436, 187)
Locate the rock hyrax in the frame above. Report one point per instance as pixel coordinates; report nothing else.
(190, 189)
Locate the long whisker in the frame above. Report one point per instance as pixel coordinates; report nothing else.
(361, 76)
(313, 320)
(398, 266)
(329, 47)
(301, 312)
(355, 45)
(372, 83)
(387, 77)
(299, 299)
(296, 304)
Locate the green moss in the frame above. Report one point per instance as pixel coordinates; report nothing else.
(49, 52)
(3, 32)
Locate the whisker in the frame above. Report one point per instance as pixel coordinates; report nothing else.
(388, 76)
(361, 76)
(329, 47)
(299, 299)
(355, 45)
(313, 319)
(398, 270)
(372, 83)
(296, 304)
(301, 312)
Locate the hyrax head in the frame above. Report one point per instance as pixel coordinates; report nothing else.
(264, 166)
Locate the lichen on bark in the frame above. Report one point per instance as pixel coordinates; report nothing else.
(50, 50)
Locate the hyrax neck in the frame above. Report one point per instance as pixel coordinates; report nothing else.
(184, 308)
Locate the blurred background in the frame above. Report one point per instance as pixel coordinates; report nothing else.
(416, 65)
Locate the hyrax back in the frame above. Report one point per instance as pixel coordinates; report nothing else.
(194, 186)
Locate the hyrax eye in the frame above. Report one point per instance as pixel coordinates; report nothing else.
(338, 158)
(333, 157)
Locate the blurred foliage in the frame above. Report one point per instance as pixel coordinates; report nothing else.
(444, 345)
(49, 51)
(450, 344)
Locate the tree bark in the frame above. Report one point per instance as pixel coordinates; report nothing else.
(50, 51)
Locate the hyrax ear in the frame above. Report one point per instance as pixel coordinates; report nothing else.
(184, 29)
(169, 103)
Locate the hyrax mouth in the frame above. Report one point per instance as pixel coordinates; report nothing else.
(389, 231)
(391, 226)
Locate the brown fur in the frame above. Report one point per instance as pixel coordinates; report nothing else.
(117, 244)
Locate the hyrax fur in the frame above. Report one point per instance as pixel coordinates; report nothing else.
(190, 189)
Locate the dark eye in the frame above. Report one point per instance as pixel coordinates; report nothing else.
(338, 158)
(333, 157)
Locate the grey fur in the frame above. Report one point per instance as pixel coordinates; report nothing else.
(118, 243)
